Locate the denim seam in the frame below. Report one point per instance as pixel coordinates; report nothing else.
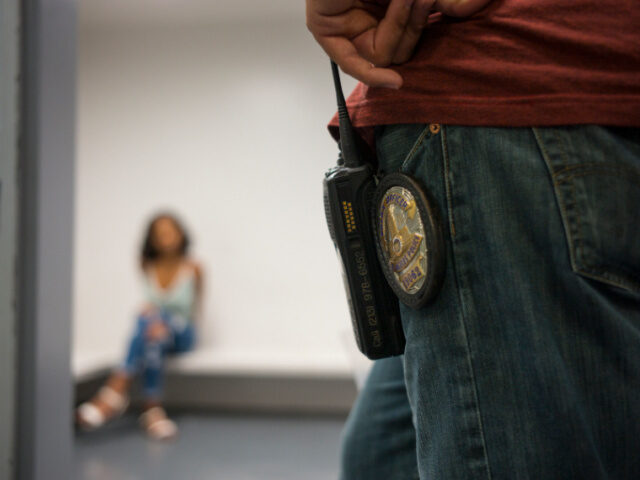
(577, 234)
(592, 167)
(603, 171)
(447, 187)
(577, 237)
(564, 216)
(580, 261)
(414, 149)
(607, 277)
(445, 157)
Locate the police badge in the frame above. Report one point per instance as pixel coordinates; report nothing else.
(409, 238)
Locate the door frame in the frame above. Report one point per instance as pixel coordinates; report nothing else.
(46, 187)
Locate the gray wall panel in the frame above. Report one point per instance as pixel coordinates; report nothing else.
(9, 49)
(46, 233)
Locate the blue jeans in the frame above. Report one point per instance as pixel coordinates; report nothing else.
(527, 364)
(379, 440)
(146, 356)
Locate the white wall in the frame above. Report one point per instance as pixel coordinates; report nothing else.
(224, 123)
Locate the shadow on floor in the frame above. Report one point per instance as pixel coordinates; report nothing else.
(214, 447)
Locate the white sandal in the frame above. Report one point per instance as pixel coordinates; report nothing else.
(157, 425)
(91, 417)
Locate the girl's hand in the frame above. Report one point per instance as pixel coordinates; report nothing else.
(157, 331)
(149, 310)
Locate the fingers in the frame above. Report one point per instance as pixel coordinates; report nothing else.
(375, 8)
(397, 35)
(460, 8)
(361, 41)
(344, 53)
(348, 24)
(391, 30)
(419, 16)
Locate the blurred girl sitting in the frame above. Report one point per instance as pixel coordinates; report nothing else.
(173, 289)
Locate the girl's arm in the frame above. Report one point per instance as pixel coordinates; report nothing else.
(199, 291)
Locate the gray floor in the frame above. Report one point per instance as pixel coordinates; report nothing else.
(212, 447)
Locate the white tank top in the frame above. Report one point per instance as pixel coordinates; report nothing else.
(178, 298)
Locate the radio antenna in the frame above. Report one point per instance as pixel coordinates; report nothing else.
(348, 145)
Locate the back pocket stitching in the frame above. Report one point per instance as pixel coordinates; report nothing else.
(564, 215)
(568, 203)
(562, 177)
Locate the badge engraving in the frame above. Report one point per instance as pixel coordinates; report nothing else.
(402, 239)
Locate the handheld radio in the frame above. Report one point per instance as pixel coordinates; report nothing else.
(349, 190)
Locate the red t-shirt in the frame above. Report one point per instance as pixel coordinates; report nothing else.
(518, 63)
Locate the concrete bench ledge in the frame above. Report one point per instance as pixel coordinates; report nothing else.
(220, 362)
(223, 380)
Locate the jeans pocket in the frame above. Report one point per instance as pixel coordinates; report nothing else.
(596, 180)
(397, 144)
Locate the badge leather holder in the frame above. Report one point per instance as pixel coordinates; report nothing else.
(388, 238)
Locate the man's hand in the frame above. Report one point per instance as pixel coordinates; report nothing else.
(364, 36)
(459, 8)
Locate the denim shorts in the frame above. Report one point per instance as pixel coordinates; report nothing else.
(527, 364)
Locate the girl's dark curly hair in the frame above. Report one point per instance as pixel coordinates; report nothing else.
(149, 253)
